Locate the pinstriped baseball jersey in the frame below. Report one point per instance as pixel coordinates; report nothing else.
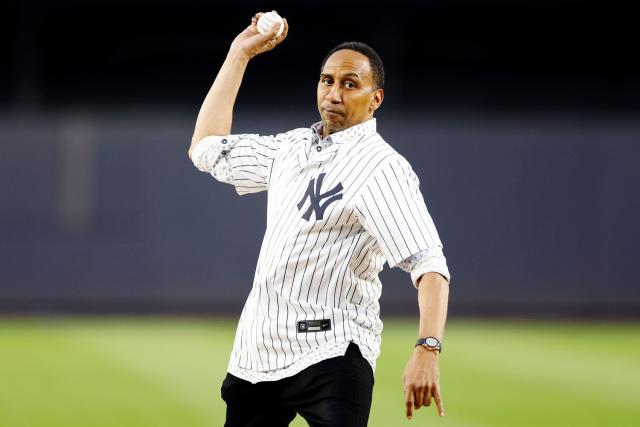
(338, 209)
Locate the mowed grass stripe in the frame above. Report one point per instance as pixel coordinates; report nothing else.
(50, 378)
(185, 358)
(582, 373)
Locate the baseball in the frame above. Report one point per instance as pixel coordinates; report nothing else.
(267, 20)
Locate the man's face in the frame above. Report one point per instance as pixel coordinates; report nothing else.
(346, 91)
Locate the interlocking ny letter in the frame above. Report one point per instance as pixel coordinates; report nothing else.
(314, 195)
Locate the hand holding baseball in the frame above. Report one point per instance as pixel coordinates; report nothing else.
(252, 41)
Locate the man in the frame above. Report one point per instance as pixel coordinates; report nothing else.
(341, 202)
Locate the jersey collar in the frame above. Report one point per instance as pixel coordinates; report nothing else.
(352, 134)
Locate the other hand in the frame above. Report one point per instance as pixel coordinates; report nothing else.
(421, 381)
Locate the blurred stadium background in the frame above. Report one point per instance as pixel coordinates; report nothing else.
(123, 269)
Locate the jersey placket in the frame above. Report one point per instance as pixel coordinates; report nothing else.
(318, 154)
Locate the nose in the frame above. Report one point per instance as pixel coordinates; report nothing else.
(334, 95)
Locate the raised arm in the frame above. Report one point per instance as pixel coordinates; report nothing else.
(216, 112)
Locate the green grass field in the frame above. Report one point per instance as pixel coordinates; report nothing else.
(138, 372)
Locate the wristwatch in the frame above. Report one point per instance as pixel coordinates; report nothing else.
(431, 343)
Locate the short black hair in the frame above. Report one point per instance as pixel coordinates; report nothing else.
(375, 62)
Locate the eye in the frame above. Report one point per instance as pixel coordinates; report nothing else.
(326, 80)
(350, 85)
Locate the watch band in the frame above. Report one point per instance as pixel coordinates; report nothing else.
(431, 343)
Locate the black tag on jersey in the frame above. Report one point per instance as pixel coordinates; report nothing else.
(314, 325)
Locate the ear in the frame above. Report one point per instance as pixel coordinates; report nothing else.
(376, 100)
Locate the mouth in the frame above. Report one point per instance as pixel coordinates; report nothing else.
(332, 113)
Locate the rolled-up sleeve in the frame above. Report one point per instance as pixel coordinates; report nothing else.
(427, 261)
(392, 208)
(242, 160)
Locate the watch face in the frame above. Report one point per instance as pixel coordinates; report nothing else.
(431, 342)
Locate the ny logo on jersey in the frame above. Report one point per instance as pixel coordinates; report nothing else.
(315, 196)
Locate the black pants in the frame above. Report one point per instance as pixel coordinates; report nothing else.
(334, 392)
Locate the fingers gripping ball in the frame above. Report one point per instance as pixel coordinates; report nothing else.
(267, 20)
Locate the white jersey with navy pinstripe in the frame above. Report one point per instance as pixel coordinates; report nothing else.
(338, 209)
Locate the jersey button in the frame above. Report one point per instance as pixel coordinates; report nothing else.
(224, 141)
(318, 148)
(223, 152)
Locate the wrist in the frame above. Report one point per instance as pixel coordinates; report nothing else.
(426, 355)
(238, 56)
(421, 349)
